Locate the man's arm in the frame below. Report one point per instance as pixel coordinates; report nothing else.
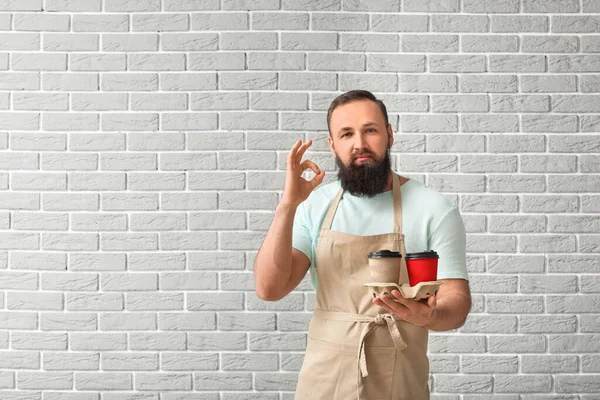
(278, 267)
(453, 305)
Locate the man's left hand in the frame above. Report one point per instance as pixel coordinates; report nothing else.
(421, 313)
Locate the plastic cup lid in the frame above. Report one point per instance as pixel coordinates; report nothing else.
(424, 254)
(385, 254)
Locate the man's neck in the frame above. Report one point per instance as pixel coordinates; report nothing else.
(388, 186)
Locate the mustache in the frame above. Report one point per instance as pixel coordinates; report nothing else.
(365, 153)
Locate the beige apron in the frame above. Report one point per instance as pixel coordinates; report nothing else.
(356, 349)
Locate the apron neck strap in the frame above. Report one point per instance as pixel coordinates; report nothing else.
(397, 200)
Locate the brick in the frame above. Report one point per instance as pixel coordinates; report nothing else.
(130, 42)
(38, 141)
(96, 141)
(547, 243)
(519, 24)
(217, 61)
(516, 183)
(459, 103)
(573, 63)
(550, 83)
(570, 383)
(549, 203)
(217, 21)
(156, 62)
(490, 364)
(70, 82)
(488, 83)
(100, 22)
(523, 383)
(488, 163)
(516, 344)
(129, 81)
(97, 62)
(584, 343)
(189, 41)
(549, 44)
(371, 82)
(547, 324)
(71, 42)
(281, 61)
(248, 81)
(428, 83)
(307, 81)
(457, 63)
(516, 143)
(489, 324)
(309, 41)
(459, 23)
(280, 21)
(572, 303)
(491, 6)
(488, 203)
(444, 343)
(19, 81)
(248, 41)
(336, 62)
(399, 23)
(190, 5)
(126, 121)
(548, 284)
(429, 123)
(396, 63)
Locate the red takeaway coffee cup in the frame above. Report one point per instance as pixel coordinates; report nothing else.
(422, 267)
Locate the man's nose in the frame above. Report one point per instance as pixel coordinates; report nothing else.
(359, 142)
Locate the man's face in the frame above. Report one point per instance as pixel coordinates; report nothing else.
(360, 141)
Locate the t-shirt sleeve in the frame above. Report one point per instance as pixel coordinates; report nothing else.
(301, 236)
(449, 240)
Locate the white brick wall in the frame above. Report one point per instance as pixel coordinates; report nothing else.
(142, 152)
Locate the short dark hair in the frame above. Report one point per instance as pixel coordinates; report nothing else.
(351, 96)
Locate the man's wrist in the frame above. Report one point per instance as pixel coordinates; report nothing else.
(285, 206)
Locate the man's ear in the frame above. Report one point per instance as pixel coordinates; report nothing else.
(390, 135)
(331, 146)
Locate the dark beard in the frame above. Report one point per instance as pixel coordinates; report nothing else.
(367, 179)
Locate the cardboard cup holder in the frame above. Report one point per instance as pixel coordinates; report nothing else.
(421, 290)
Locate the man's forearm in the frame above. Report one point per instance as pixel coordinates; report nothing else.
(273, 263)
(451, 312)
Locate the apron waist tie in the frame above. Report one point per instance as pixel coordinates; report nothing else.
(372, 322)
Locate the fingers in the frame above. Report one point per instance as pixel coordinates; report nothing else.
(296, 153)
(302, 149)
(309, 164)
(291, 158)
(408, 303)
(319, 175)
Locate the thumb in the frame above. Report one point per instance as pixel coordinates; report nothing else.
(432, 301)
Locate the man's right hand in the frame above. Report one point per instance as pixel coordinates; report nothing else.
(296, 188)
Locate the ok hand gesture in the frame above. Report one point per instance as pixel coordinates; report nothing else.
(296, 188)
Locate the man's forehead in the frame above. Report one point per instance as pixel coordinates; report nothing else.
(350, 112)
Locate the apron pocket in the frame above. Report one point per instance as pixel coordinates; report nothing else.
(320, 371)
(379, 384)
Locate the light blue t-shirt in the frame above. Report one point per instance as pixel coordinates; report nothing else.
(429, 222)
